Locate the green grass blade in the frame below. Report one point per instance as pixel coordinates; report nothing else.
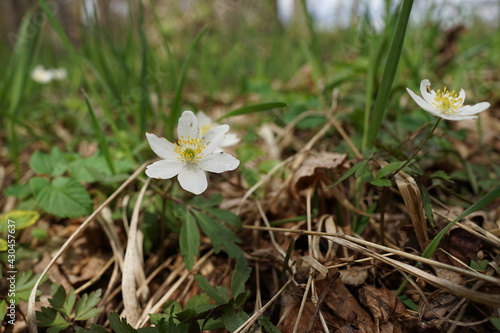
(175, 108)
(489, 197)
(317, 63)
(100, 137)
(253, 108)
(389, 72)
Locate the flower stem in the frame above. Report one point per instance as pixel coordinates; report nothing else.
(415, 152)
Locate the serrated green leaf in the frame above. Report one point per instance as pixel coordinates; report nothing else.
(218, 294)
(232, 320)
(225, 216)
(85, 307)
(120, 325)
(21, 218)
(18, 191)
(53, 164)
(253, 108)
(268, 326)
(62, 302)
(216, 231)
(202, 203)
(381, 182)
(241, 274)
(24, 283)
(49, 317)
(189, 240)
(64, 197)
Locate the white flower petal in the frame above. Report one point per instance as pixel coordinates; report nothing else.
(422, 103)
(164, 169)
(428, 97)
(213, 138)
(473, 109)
(218, 162)
(203, 119)
(188, 126)
(230, 140)
(193, 179)
(161, 146)
(461, 95)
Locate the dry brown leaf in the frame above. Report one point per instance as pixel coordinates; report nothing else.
(354, 276)
(312, 170)
(385, 308)
(413, 200)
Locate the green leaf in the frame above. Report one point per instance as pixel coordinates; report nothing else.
(218, 294)
(53, 164)
(390, 68)
(440, 174)
(216, 231)
(64, 197)
(3, 245)
(25, 283)
(241, 274)
(483, 201)
(85, 308)
(94, 328)
(381, 182)
(225, 216)
(253, 108)
(351, 171)
(189, 240)
(426, 199)
(3, 309)
(202, 203)
(388, 169)
(268, 326)
(120, 325)
(232, 320)
(49, 317)
(496, 322)
(21, 219)
(62, 302)
(18, 191)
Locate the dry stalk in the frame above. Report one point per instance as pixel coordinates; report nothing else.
(131, 265)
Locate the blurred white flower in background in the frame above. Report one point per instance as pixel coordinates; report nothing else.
(42, 75)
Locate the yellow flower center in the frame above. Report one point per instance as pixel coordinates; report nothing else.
(447, 102)
(189, 150)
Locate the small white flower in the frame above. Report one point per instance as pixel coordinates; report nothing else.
(191, 156)
(446, 104)
(206, 123)
(41, 75)
(59, 73)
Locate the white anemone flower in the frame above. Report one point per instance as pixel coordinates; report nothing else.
(192, 156)
(41, 75)
(206, 123)
(445, 104)
(59, 73)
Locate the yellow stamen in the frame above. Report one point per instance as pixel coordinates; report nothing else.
(189, 150)
(447, 102)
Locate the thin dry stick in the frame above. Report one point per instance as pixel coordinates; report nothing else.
(250, 321)
(153, 309)
(410, 256)
(304, 300)
(271, 235)
(131, 265)
(31, 316)
(320, 301)
(95, 277)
